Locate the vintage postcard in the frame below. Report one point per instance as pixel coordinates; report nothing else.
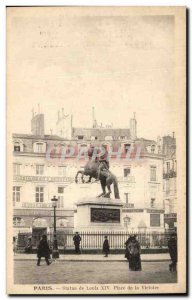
(96, 150)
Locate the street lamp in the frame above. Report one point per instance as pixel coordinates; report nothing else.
(55, 252)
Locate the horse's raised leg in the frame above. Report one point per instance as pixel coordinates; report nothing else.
(90, 177)
(82, 178)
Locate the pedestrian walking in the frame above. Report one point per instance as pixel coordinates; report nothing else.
(106, 246)
(14, 245)
(172, 245)
(43, 250)
(77, 240)
(134, 250)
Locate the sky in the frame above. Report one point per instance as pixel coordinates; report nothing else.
(118, 64)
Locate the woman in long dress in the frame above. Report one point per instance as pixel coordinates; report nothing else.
(134, 250)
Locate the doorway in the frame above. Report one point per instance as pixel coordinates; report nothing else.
(37, 235)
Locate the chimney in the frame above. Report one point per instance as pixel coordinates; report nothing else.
(133, 127)
(173, 134)
(37, 125)
(62, 112)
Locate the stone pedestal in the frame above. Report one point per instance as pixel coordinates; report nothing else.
(99, 214)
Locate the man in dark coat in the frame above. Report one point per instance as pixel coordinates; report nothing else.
(172, 245)
(43, 250)
(106, 247)
(77, 240)
(126, 245)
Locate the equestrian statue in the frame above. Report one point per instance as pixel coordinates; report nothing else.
(98, 168)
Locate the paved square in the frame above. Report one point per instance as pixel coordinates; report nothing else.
(68, 272)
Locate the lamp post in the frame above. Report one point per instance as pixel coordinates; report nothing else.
(55, 252)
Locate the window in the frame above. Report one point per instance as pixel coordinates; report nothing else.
(152, 202)
(16, 169)
(39, 169)
(39, 196)
(168, 167)
(62, 170)
(152, 148)
(60, 197)
(93, 138)
(126, 195)
(122, 137)
(127, 172)
(16, 194)
(17, 147)
(80, 137)
(17, 221)
(153, 173)
(127, 147)
(155, 220)
(39, 147)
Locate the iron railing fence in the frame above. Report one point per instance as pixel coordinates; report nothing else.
(94, 240)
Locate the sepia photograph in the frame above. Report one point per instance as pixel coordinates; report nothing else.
(96, 150)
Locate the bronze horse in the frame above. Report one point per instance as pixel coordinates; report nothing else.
(95, 169)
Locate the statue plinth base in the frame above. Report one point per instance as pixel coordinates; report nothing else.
(99, 214)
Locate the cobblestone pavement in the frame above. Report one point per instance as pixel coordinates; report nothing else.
(65, 272)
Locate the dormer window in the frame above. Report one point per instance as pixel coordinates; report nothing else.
(80, 137)
(127, 147)
(18, 146)
(39, 147)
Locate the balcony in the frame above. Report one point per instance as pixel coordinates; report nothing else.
(36, 205)
(42, 178)
(128, 205)
(170, 174)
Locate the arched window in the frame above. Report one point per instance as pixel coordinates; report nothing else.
(62, 223)
(40, 222)
(18, 146)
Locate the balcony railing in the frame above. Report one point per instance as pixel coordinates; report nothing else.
(36, 205)
(170, 174)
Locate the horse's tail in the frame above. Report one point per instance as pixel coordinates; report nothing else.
(116, 189)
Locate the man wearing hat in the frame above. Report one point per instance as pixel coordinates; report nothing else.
(43, 250)
(106, 246)
(77, 240)
(172, 245)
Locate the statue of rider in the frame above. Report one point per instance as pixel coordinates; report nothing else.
(104, 161)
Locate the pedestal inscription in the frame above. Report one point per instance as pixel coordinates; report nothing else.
(105, 215)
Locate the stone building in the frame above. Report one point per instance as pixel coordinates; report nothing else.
(170, 181)
(43, 168)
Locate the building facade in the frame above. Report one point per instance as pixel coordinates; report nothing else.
(170, 182)
(46, 165)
